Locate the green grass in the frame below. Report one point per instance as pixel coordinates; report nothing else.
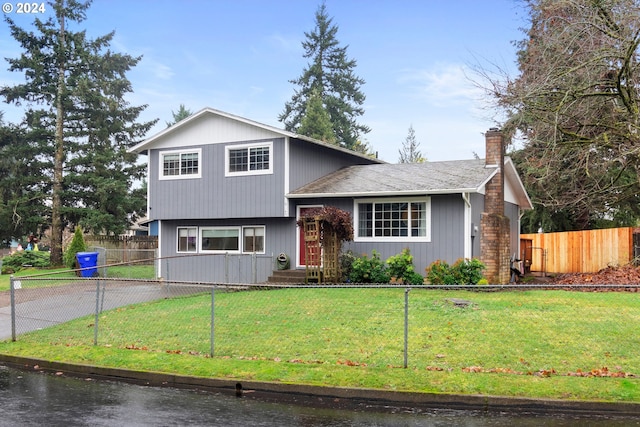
(118, 271)
(526, 344)
(135, 271)
(55, 273)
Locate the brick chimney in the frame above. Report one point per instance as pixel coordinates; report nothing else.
(495, 241)
(494, 191)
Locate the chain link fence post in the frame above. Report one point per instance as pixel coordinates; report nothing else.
(406, 326)
(97, 314)
(13, 308)
(226, 267)
(213, 317)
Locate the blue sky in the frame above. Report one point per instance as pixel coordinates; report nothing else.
(239, 55)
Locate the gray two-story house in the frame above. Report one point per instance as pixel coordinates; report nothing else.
(225, 193)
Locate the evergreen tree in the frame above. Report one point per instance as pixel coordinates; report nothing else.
(22, 190)
(316, 122)
(80, 122)
(331, 75)
(410, 153)
(181, 114)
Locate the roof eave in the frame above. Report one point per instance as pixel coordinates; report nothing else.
(524, 202)
(383, 193)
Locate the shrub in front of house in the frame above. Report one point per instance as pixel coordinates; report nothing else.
(462, 272)
(440, 273)
(401, 268)
(468, 271)
(369, 270)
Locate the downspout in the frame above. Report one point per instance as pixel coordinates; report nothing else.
(468, 236)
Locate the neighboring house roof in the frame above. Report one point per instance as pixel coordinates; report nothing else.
(457, 176)
(150, 142)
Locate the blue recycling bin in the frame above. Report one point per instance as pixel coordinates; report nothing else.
(87, 260)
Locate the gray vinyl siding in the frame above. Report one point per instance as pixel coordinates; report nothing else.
(215, 195)
(308, 162)
(280, 237)
(447, 234)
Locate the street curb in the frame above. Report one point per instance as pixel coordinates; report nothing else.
(334, 397)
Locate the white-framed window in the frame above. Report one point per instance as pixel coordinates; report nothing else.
(180, 164)
(187, 239)
(253, 239)
(220, 239)
(393, 219)
(249, 159)
(245, 239)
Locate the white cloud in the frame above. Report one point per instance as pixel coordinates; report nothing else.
(443, 85)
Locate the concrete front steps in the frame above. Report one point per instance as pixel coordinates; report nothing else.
(287, 276)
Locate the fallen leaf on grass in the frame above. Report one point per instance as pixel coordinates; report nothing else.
(135, 347)
(350, 363)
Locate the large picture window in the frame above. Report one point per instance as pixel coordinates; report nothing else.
(245, 239)
(180, 164)
(393, 219)
(253, 159)
(220, 239)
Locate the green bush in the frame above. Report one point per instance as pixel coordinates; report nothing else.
(440, 273)
(463, 272)
(468, 271)
(401, 267)
(369, 270)
(77, 245)
(15, 262)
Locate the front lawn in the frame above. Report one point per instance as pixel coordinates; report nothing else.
(542, 344)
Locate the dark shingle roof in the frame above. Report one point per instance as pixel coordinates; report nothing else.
(429, 177)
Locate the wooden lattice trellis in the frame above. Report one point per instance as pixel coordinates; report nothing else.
(322, 252)
(312, 250)
(324, 231)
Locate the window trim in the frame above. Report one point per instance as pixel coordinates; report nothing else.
(356, 219)
(264, 238)
(240, 228)
(227, 163)
(178, 239)
(161, 155)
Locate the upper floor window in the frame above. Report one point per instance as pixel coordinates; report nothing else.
(180, 164)
(249, 159)
(395, 219)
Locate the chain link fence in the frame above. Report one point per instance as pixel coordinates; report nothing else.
(506, 329)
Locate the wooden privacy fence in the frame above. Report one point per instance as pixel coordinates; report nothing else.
(585, 251)
(122, 242)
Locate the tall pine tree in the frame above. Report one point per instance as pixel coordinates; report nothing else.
(316, 122)
(182, 113)
(330, 75)
(22, 189)
(79, 119)
(410, 152)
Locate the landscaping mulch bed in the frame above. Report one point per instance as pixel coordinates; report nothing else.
(625, 275)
